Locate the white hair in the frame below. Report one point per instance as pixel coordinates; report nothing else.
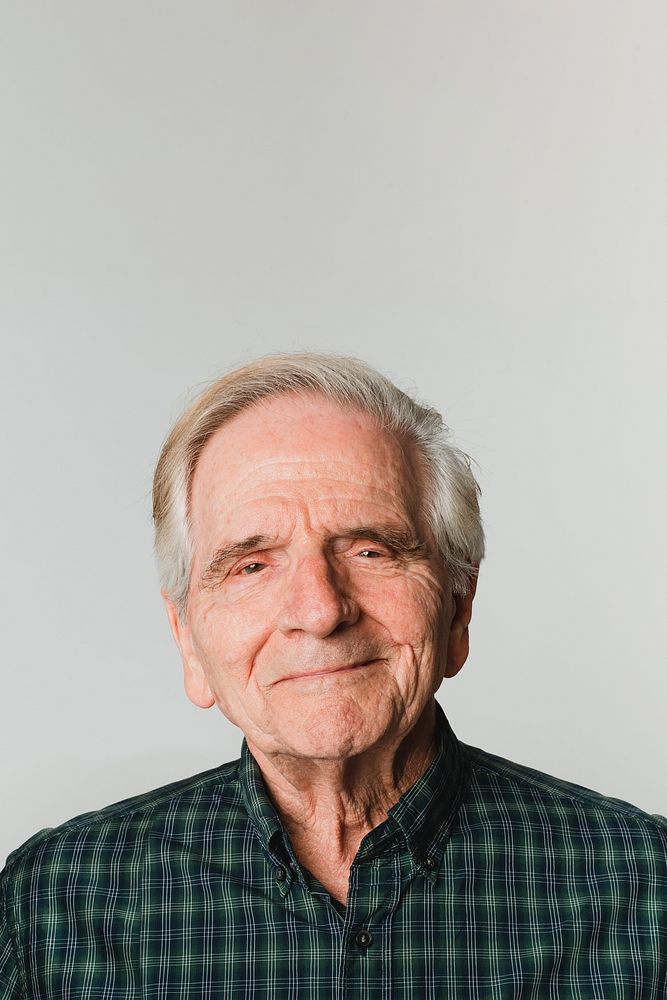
(450, 501)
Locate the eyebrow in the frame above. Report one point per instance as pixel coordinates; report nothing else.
(226, 554)
(400, 540)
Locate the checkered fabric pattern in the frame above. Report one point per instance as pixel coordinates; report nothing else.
(488, 881)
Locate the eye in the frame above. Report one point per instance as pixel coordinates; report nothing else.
(371, 553)
(250, 568)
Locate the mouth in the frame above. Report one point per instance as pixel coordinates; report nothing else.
(341, 668)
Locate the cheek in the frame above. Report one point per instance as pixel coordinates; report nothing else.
(409, 609)
(226, 641)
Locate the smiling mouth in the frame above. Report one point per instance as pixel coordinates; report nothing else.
(345, 668)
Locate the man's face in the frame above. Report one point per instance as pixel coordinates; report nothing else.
(319, 618)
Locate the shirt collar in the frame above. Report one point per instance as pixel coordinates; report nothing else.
(426, 812)
(260, 808)
(423, 815)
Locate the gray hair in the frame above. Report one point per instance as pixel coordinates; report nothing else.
(450, 504)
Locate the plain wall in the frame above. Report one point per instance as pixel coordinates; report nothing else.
(470, 196)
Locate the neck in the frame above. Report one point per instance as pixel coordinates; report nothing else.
(329, 805)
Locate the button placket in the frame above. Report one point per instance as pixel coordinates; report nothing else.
(363, 938)
(282, 876)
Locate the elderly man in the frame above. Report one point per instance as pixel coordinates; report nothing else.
(318, 541)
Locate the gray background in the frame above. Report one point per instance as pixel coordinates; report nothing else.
(469, 195)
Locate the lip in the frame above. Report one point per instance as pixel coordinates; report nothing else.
(345, 668)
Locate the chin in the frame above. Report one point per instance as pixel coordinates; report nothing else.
(338, 728)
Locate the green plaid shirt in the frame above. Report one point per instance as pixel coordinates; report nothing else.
(488, 880)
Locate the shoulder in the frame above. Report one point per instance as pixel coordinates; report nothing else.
(126, 829)
(567, 815)
(58, 887)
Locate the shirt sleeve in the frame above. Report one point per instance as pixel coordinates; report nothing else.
(10, 980)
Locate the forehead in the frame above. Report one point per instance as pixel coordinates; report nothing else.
(292, 446)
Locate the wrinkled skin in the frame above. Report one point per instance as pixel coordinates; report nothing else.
(327, 639)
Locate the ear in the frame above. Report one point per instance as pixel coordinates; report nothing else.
(458, 641)
(194, 676)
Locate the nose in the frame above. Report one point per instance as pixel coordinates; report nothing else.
(314, 600)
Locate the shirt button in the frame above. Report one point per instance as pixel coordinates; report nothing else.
(364, 939)
(430, 863)
(281, 874)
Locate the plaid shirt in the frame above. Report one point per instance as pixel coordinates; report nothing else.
(488, 880)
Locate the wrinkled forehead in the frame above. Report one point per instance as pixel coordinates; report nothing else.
(298, 443)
